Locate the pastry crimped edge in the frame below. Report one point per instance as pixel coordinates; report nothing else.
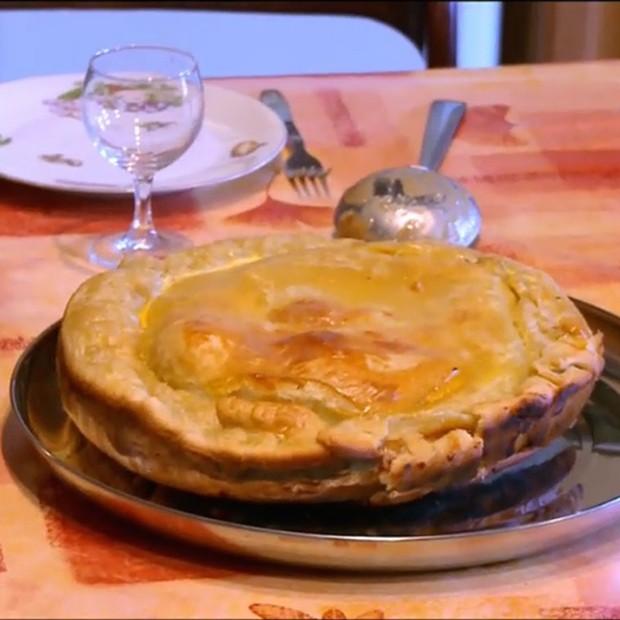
(349, 461)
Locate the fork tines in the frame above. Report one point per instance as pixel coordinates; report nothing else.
(303, 179)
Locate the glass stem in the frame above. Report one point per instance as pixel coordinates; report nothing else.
(142, 223)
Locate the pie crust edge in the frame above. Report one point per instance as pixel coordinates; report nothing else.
(343, 468)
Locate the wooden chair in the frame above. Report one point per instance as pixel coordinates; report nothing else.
(429, 27)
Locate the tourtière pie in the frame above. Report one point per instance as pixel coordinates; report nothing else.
(304, 369)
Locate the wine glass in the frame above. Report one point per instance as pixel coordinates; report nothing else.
(142, 107)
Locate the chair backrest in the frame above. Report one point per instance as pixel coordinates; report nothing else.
(232, 38)
(429, 25)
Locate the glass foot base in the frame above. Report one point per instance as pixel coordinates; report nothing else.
(108, 251)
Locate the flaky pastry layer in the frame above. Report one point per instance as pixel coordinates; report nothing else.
(299, 368)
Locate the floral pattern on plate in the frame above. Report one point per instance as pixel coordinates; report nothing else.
(247, 147)
(67, 104)
(59, 158)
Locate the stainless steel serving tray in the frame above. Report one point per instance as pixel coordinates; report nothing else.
(561, 494)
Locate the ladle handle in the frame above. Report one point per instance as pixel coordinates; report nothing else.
(443, 120)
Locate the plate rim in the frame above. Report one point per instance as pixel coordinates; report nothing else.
(14, 389)
(118, 191)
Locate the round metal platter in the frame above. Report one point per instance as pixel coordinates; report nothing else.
(561, 493)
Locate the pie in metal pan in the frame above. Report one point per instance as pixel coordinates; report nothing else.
(301, 369)
(556, 495)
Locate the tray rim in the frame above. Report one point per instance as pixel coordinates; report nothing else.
(56, 462)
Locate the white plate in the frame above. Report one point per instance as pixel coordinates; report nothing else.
(44, 143)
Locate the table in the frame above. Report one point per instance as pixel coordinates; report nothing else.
(540, 149)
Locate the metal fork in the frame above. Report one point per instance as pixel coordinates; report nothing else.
(301, 169)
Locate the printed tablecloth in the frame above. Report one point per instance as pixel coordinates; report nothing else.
(539, 148)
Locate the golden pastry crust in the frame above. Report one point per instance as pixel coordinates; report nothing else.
(299, 368)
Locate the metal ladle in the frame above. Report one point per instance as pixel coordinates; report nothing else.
(414, 202)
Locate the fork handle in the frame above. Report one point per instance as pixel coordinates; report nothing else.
(275, 100)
